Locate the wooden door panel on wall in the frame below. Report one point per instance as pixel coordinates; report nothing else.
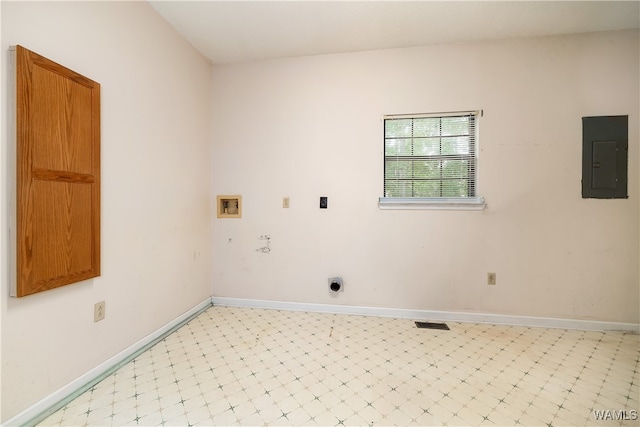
(58, 175)
(63, 245)
(63, 111)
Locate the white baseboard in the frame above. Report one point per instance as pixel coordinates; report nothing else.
(48, 405)
(452, 316)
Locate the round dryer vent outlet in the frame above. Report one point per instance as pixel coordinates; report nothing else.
(336, 284)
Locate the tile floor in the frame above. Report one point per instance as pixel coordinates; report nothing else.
(244, 366)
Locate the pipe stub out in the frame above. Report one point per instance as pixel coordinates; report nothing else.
(336, 284)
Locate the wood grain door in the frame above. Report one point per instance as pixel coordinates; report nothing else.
(58, 175)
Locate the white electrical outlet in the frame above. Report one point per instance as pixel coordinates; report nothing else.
(99, 311)
(285, 202)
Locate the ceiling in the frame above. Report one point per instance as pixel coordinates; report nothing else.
(238, 31)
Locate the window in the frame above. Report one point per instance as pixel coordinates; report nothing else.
(430, 159)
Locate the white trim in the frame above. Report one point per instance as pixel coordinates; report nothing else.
(433, 203)
(426, 115)
(48, 405)
(453, 316)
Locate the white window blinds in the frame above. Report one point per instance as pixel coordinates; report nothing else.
(430, 155)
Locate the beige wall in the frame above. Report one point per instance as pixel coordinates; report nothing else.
(307, 127)
(156, 167)
(310, 127)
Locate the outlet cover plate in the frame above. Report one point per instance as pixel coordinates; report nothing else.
(99, 311)
(491, 279)
(323, 202)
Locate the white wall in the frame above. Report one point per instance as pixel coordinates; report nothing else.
(310, 127)
(156, 186)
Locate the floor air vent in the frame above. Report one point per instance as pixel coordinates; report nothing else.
(431, 325)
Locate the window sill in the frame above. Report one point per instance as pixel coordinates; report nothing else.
(435, 203)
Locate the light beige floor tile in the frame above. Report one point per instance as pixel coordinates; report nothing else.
(243, 366)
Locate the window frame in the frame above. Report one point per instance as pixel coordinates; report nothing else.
(473, 202)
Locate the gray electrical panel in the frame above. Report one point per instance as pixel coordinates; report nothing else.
(605, 146)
